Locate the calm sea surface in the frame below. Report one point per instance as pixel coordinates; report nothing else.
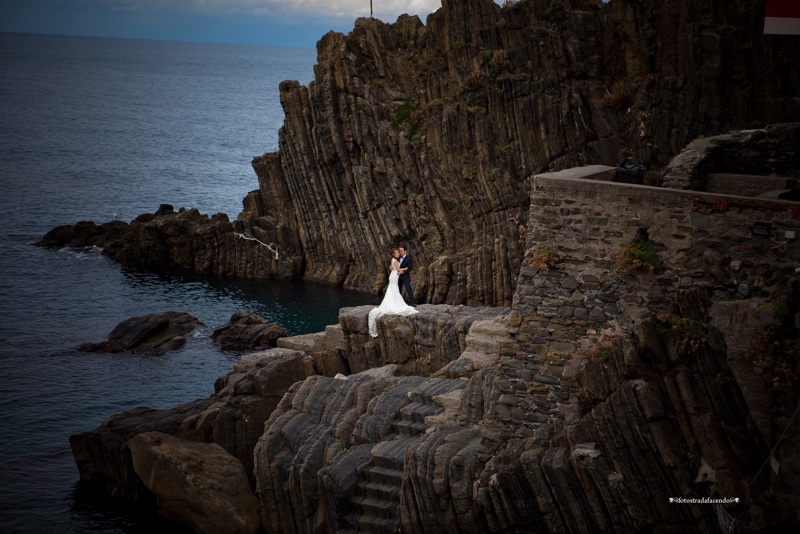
(97, 129)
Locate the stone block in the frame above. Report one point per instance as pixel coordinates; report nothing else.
(562, 347)
(536, 417)
(546, 380)
(569, 283)
(597, 315)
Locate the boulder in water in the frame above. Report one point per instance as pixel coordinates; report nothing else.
(84, 234)
(248, 331)
(198, 484)
(157, 331)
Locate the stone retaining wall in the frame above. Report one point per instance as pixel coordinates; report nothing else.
(703, 240)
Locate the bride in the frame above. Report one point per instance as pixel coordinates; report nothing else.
(393, 303)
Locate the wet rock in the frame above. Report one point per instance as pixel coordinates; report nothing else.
(197, 484)
(156, 332)
(233, 417)
(84, 234)
(248, 331)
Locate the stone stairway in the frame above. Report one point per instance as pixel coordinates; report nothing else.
(422, 405)
(378, 492)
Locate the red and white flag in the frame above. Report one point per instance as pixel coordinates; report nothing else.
(783, 17)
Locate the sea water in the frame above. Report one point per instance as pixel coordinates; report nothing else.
(102, 129)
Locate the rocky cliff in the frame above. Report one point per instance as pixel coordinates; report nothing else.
(645, 377)
(428, 135)
(640, 346)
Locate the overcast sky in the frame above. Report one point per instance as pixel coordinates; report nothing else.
(267, 22)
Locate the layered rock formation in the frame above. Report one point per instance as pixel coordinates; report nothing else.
(609, 396)
(234, 416)
(618, 368)
(185, 240)
(428, 135)
(606, 399)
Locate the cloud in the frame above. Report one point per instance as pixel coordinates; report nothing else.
(273, 22)
(387, 10)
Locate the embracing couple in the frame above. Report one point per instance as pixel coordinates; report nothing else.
(393, 303)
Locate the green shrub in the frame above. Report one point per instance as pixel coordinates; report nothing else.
(402, 112)
(693, 332)
(639, 256)
(543, 258)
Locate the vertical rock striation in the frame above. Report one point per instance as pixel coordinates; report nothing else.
(427, 135)
(607, 398)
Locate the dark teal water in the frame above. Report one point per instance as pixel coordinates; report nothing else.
(92, 129)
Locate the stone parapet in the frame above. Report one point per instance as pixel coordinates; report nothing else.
(701, 240)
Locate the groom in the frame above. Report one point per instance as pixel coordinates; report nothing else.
(405, 279)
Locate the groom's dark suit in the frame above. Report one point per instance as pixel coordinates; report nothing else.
(405, 279)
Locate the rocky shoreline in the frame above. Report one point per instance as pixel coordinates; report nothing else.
(639, 348)
(110, 457)
(487, 440)
(603, 392)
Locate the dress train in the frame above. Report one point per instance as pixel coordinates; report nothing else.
(392, 304)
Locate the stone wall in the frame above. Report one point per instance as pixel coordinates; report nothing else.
(703, 240)
(713, 270)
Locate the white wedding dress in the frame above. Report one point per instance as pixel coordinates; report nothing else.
(392, 304)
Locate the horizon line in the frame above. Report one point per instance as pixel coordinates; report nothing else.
(161, 40)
